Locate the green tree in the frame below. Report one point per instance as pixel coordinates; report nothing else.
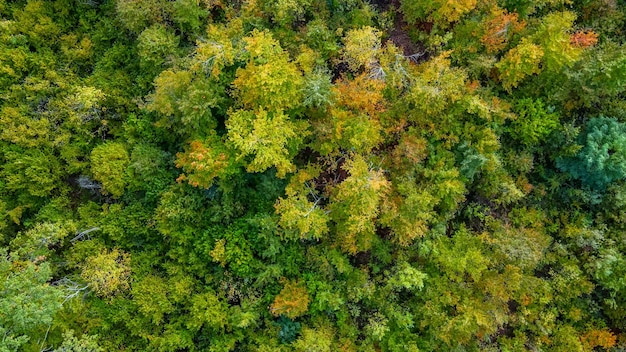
(299, 217)
(108, 165)
(602, 158)
(28, 302)
(156, 47)
(534, 122)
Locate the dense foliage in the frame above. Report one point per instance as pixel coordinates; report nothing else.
(312, 175)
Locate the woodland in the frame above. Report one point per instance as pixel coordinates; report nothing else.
(312, 175)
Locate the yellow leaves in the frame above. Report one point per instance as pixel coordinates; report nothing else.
(300, 217)
(362, 47)
(441, 12)
(355, 204)
(218, 253)
(554, 38)
(108, 272)
(293, 300)
(269, 80)
(108, 165)
(169, 86)
(452, 10)
(75, 49)
(219, 50)
(436, 87)
(520, 62)
(266, 136)
(21, 130)
(262, 46)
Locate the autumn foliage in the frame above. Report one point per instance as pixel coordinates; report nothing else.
(292, 301)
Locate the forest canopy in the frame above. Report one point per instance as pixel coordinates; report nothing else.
(312, 175)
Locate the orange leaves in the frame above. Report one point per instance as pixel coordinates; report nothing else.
(292, 301)
(410, 150)
(354, 123)
(598, 338)
(584, 39)
(203, 162)
(361, 95)
(500, 26)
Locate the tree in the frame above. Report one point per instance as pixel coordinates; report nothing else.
(554, 38)
(108, 165)
(28, 302)
(355, 204)
(269, 137)
(361, 47)
(441, 12)
(85, 343)
(208, 310)
(602, 158)
(499, 27)
(518, 63)
(188, 102)
(300, 217)
(32, 170)
(108, 272)
(269, 80)
(534, 121)
(354, 121)
(136, 15)
(156, 47)
(206, 160)
(292, 301)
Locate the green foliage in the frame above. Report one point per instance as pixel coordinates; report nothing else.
(137, 15)
(156, 46)
(534, 122)
(602, 158)
(108, 165)
(28, 302)
(352, 175)
(289, 329)
(407, 277)
(186, 102)
(83, 344)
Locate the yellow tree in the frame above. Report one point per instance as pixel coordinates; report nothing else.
(520, 62)
(269, 138)
(108, 272)
(301, 215)
(269, 80)
(355, 204)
